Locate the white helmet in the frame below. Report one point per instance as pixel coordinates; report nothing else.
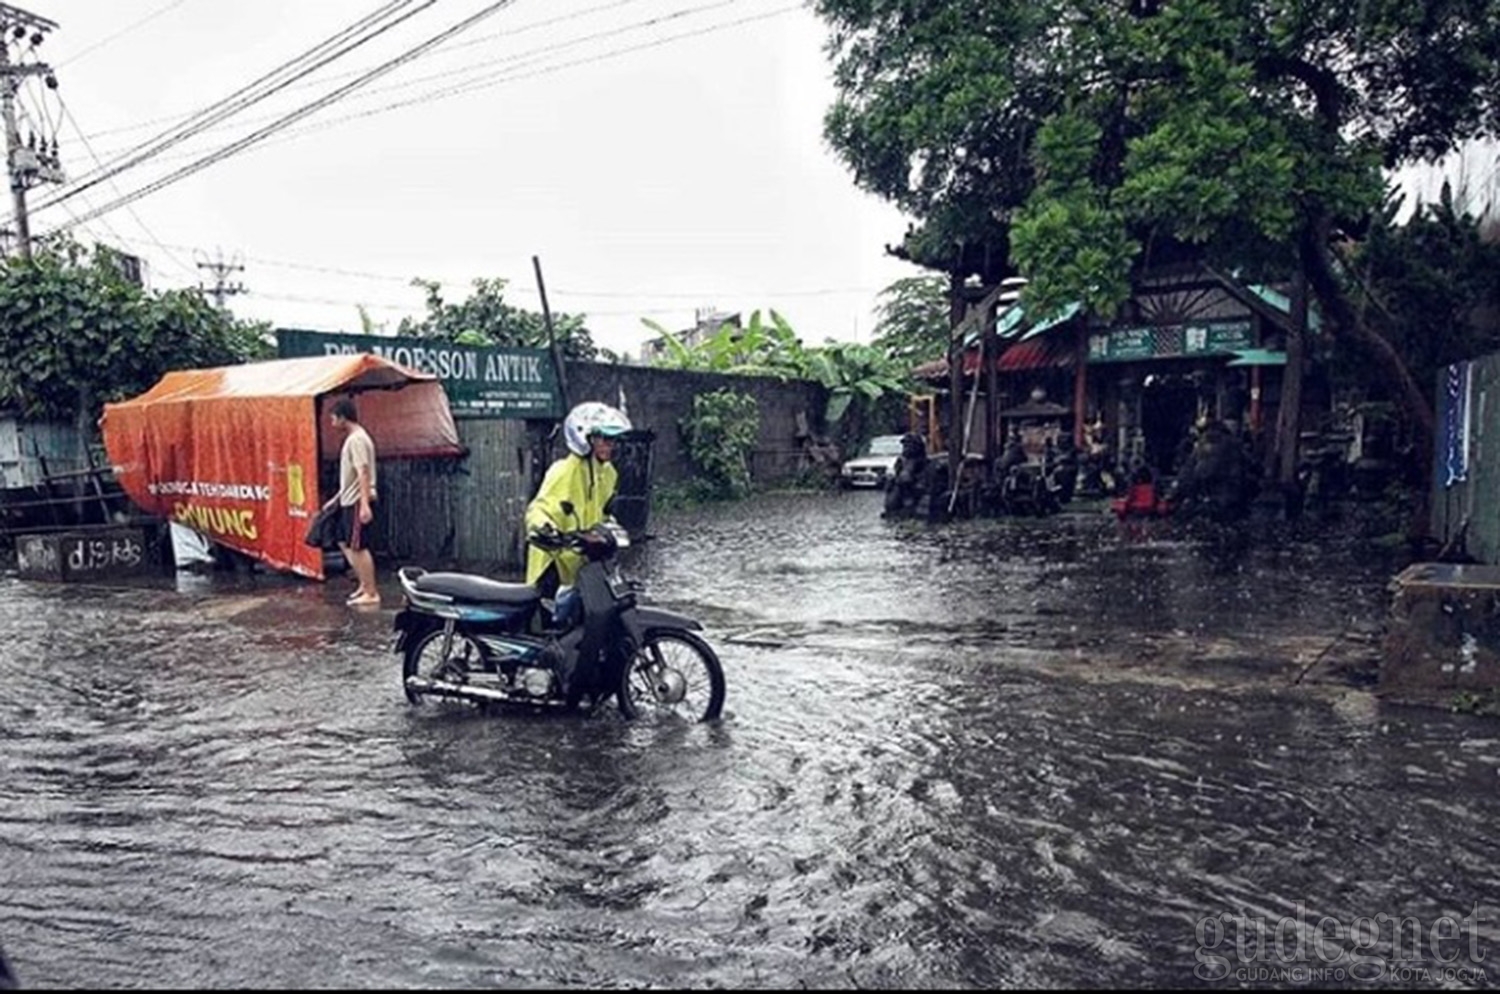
(592, 418)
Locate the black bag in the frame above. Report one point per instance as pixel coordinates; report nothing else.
(323, 529)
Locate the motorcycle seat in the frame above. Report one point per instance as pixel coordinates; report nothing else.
(476, 589)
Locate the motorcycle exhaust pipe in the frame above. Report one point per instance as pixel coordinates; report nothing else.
(442, 688)
(469, 692)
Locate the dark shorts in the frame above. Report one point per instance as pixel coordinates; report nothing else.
(353, 535)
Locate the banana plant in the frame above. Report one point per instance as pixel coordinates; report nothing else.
(854, 375)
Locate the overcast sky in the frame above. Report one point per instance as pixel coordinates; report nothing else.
(658, 155)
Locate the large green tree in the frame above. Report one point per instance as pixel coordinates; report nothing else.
(912, 320)
(1101, 134)
(75, 333)
(486, 318)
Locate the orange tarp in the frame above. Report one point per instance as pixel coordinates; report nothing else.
(233, 452)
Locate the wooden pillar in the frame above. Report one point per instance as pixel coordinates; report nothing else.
(956, 310)
(1289, 412)
(1253, 421)
(1080, 382)
(989, 357)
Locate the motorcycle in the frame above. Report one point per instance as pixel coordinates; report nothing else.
(470, 638)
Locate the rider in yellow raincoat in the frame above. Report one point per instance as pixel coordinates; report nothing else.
(576, 491)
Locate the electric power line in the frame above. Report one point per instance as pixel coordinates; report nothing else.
(296, 115)
(246, 95)
(648, 295)
(511, 65)
(123, 31)
(67, 116)
(498, 79)
(333, 77)
(653, 295)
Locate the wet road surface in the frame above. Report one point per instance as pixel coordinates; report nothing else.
(990, 755)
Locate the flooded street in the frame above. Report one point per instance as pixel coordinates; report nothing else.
(994, 754)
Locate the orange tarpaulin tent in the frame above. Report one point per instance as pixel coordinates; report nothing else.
(233, 452)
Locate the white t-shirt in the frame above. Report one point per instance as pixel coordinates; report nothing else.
(358, 450)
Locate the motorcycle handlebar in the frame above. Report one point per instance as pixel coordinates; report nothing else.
(553, 540)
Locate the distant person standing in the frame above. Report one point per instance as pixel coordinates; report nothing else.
(356, 500)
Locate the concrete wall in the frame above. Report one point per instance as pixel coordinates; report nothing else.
(1443, 634)
(656, 399)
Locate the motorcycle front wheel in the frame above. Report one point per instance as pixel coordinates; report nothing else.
(672, 674)
(424, 658)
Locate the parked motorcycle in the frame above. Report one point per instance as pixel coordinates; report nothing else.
(473, 639)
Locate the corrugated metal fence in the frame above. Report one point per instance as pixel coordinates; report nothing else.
(443, 511)
(1466, 478)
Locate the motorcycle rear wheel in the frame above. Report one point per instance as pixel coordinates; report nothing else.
(424, 658)
(672, 674)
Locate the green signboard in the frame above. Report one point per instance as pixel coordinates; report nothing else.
(490, 381)
(1171, 341)
(1217, 339)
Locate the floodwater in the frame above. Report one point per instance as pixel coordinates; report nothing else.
(1045, 753)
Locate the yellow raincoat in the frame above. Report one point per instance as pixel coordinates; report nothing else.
(585, 483)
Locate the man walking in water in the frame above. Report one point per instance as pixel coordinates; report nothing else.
(356, 500)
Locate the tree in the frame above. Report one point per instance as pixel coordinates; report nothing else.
(486, 319)
(1433, 282)
(913, 327)
(1103, 135)
(938, 105)
(76, 334)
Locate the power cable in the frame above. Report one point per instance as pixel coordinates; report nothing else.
(826, 292)
(120, 33)
(67, 115)
(142, 125)
(697, 295)
(335, 303)
(547, 70)
(246, 96)
(307, 109)
(522, 59)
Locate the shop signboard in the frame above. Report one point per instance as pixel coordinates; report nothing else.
(1135, 343)
(481, 381)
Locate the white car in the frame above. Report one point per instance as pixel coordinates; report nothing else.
(875, 465)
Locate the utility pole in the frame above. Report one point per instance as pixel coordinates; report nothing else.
(27, 163)
(222, 288)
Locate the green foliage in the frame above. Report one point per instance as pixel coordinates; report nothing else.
(1476, 702)
(856, 376)
(720, 434)
(938, 103)
(486, 319)
(75, 334)
(1092, 133)
(913, 323)
(367, 324)
(758, 348)
(1428, 284)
